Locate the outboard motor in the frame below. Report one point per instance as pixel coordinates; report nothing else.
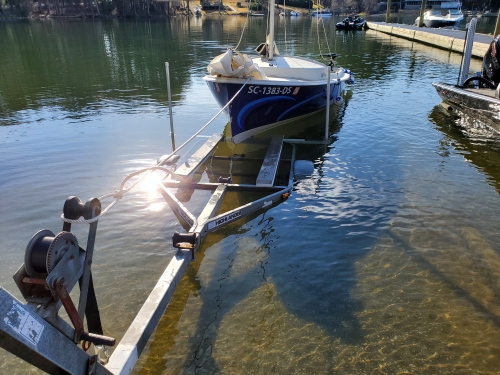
(491, 62)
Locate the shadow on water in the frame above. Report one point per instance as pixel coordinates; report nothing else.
(478, 259)
(480, 147)
(292, 261)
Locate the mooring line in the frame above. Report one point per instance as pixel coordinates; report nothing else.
(213, 118)
(118, 194)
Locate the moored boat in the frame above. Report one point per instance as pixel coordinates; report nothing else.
(478, 96)
(351, 23)
(322, 13)
(480, 103)
(289, 13)
(449, 15)
(270, 90)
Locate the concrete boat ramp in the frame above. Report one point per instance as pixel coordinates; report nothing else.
(448, 39)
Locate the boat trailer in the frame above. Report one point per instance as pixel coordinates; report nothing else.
(55, 263)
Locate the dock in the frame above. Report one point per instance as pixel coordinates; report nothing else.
(448, 39)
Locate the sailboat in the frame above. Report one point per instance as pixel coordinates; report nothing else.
(270, 90)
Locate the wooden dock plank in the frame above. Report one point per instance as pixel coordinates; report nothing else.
(271, 161)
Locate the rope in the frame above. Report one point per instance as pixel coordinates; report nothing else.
(326, 37)
(213, 118)
(320, 19)
(267, 31)
(118, 194)
(284, 16)
(244, 26)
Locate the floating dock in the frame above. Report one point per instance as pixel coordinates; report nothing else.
(448, 39)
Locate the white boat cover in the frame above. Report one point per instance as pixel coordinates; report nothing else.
(234, 64)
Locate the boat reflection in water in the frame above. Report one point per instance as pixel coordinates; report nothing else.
(470, 137)
(473, 122)
(239, 264)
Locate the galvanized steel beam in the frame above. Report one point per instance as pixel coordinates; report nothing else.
(129, 349)
(31, 338)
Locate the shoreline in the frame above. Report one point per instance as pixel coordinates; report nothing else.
(231, 8)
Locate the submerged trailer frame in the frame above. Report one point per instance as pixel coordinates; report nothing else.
(26, 333)
(34, 331)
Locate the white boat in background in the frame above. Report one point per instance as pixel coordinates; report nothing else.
(322, 13)
(197, 11)
(289, 13)
(269, 90)
(449, 14)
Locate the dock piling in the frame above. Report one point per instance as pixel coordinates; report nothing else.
(388, 11)
(172, 135)
(497, 26)
(327, 121)
(422, 10)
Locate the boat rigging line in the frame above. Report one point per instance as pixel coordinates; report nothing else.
(320, 19)
(284, 16)
(121, 191)
(244, 27)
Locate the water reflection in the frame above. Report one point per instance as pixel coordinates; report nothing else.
(292, 287)
(478, 145)
(111, 68)
(385, 260)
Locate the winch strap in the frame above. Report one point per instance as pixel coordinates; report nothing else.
(91, 310)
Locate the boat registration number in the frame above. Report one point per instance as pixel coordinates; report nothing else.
(270, 90)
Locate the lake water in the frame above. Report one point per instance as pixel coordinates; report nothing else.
(385, 261)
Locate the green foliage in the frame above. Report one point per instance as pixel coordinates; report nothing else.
(255, 6)
(87, 8)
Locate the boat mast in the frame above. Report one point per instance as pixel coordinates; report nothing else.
(270, 46)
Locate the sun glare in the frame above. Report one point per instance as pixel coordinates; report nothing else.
(150, 184)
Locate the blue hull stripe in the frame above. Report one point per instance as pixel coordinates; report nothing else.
(253, 109)
(255, 104)
(298, 106)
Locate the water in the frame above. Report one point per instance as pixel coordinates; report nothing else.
(385, 261)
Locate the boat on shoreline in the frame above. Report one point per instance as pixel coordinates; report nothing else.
(478, 97)
(262, 92)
